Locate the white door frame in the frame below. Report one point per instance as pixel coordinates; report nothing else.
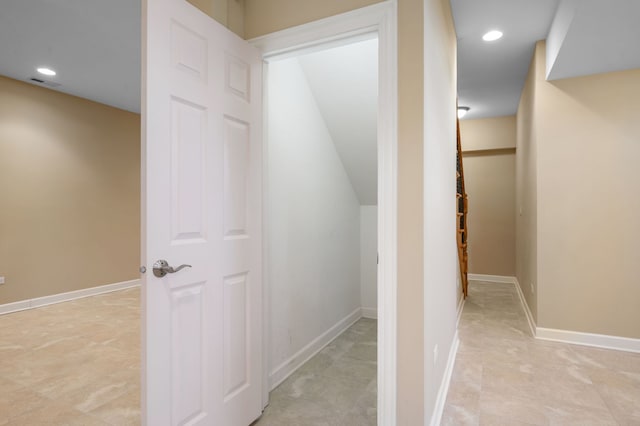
(380, 18)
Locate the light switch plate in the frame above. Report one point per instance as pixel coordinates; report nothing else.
(1, 280)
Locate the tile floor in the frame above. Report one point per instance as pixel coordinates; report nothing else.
(503, 376)
(337, 387)
(72, 363)
(77, 363)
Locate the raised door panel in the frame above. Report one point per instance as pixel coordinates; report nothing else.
(188, 184)
(236, 168)
(236, 335)
(187, 357)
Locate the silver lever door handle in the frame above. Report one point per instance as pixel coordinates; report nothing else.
(162, 268)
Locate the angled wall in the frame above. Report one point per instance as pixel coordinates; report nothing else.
(313, 220)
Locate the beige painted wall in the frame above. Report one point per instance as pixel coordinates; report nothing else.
(267, 16)
(69, 191)
(488, 133)
(526, 191)
(489, 170)
(411, 354)
(229, 13)
(588, 135)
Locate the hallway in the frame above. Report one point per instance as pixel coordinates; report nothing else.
(503, 376)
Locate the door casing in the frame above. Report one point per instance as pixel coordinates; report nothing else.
(337, 30)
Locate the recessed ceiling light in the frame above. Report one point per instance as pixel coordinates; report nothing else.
(492, 35)
(462, 111)
(46, 71)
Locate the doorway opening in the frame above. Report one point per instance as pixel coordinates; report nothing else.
(362, 24)
(320, 233)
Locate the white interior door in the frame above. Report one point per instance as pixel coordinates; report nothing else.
(202, 156)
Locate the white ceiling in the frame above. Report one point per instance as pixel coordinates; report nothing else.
(491, 75)
(587, 37)
(594, 36)
(344, 82)
(94, 45)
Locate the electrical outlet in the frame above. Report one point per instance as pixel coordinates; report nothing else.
(435, 354)
(1, 280)
(533, 290)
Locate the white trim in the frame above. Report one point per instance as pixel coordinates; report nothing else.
(65, 297)
(436, 417)
(380, 18)
(589, 339)
(492, 278)
(487, 279)
(288, 367)
(525, 307)
(266, 307)
(323, 33)
(371, 313)
(387, 214)
(566, 336)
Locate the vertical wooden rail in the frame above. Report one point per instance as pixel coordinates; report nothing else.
(462, 205)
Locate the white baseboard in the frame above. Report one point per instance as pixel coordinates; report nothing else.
(492, 278)
(566, 336)
(371, 313)
(525, 307)
(487, 279)
(589, 339)
(460, 308)
(438, 409)
(65, 297)
(284, 370)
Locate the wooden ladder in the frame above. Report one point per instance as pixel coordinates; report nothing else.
(462, 208)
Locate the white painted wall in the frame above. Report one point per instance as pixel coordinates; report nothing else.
(313, 221)
(369, 260)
